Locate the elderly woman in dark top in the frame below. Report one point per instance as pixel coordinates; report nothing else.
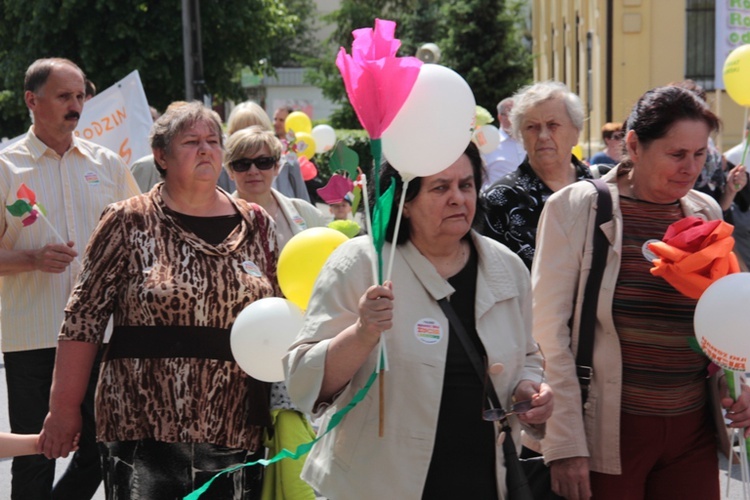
(548, 117)
(175, 266)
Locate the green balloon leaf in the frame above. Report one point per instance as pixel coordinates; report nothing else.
(344, 158)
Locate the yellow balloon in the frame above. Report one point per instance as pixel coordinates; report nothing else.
(302, 259)
(737, 75)
(578, 152)
(298, 122)
(304, 144)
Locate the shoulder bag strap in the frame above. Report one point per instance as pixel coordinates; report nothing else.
(471, 350)
(585, 354)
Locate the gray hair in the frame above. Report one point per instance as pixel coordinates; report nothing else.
(178, 118)
(248, 142)
(502, 106)
(537, 93)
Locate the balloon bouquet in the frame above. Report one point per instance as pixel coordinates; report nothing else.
(304, 141)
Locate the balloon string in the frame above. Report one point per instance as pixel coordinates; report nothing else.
(395, 231)
(368, 225)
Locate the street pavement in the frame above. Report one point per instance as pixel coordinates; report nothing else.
(735, 486)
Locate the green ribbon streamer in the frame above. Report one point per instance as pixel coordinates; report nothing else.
(376, 148)
(729, 377)
(381, 215)
(301, 449)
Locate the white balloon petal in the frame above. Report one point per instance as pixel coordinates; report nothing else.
(434, 125)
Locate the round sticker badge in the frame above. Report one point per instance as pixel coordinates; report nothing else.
(648, 254)
(428, 331)
(251, 268)
(297, 219)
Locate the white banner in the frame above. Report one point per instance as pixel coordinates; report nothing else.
(732, 31)
(117, 118)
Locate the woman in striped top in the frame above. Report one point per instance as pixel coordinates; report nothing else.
(645, 430)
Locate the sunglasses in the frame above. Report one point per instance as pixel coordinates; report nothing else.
(618, 136)
(499, 414)
(262, 163)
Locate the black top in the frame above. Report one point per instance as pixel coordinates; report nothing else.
(463, 460)
(212, 230)
(513, 205)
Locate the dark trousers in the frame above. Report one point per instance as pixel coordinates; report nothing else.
(663, 457)
(154, 470)
(29, 378)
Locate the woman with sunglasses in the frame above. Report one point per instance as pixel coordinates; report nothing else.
(174, 266)
(612, 136)
(252, 162)
(440, 438)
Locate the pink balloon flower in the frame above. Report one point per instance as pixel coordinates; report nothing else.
(377, 82)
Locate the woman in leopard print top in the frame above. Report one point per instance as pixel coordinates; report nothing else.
(174, 266)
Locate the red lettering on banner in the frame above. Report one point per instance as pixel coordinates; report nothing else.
(125, 151)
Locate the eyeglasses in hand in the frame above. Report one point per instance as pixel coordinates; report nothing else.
(497, 414)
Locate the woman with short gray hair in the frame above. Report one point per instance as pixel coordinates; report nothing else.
(548, 118)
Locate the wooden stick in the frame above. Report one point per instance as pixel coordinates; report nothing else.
(381, 384)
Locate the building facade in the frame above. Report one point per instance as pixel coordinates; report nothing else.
(611, 51)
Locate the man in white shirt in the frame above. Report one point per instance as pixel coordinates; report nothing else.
(74, 180)
(509, 154)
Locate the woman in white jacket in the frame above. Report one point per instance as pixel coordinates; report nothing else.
(434, 430)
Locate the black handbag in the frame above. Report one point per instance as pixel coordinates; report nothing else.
(526, 479)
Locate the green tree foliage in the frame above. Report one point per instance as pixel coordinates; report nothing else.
(483, 43)
(293, 50)
(109, 39)
(482, 40)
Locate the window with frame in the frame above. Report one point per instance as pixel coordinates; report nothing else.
(700, 34)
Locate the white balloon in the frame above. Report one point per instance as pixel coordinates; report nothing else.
(434, 125)
(325, 138)
(722, 320)
(261, 335)
(487, 138)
